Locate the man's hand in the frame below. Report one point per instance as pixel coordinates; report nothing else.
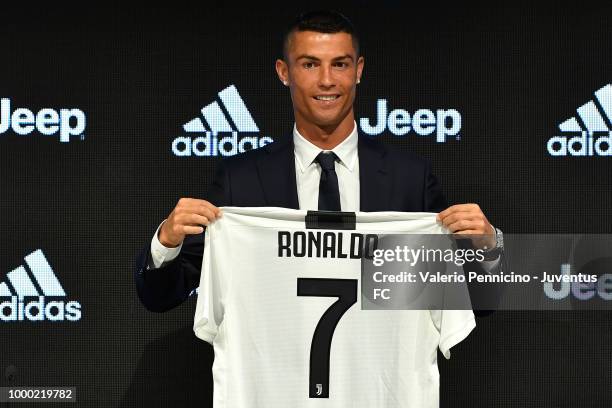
(468, 219)
(187, 218)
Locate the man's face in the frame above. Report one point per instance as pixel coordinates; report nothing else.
(321, 71)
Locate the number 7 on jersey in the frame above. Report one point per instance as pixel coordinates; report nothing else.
(346, 292)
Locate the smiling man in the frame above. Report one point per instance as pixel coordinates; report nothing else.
(322, 69)
(324, 165)
(260, 343)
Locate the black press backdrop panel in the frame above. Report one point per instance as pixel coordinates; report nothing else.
(80, 201)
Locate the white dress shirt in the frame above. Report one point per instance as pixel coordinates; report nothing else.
(307, 176)
(308, 171)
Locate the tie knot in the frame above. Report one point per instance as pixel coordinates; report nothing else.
(327, 160)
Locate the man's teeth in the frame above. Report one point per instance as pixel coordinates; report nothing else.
(326, 97)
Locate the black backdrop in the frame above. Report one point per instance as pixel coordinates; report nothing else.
(514, 73)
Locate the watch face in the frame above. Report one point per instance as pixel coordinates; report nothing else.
(492, 254)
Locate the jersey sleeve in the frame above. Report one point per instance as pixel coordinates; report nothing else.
(209, 308)
(453, 326)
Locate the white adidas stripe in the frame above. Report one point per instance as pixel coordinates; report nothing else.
(590, 114)
(591, 117)
(214, 116)
(237, 110)
(43, 274)
(21, 282)
(4, 290)
(604, 96)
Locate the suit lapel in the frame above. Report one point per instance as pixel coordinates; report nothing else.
(277, 174)
(374, 180)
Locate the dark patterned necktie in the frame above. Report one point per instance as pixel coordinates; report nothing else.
(329, 193)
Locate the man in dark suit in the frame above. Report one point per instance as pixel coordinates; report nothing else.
(324, 165)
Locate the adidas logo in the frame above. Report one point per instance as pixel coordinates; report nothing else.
(229, 116)
(48, 122)
(591, 129)
(36, 283)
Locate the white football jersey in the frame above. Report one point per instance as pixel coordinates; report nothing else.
(286, 321)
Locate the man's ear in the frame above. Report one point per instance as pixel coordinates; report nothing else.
(360, 62)
(282, 70)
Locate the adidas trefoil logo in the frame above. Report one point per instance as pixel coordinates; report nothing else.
(228, 117)
(589, 133)
(34, 294)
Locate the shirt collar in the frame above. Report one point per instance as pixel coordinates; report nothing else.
(306, 152)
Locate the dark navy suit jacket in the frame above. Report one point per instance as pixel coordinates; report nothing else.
(390, 180)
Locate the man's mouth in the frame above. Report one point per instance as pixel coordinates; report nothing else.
(326, 97)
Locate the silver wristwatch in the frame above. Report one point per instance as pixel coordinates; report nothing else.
(493, 253)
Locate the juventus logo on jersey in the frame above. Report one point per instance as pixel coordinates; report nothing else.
(319, 389)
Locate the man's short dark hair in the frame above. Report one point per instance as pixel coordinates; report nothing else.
(321, 21)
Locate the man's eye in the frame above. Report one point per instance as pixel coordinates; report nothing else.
(341, 64)
(309, 65)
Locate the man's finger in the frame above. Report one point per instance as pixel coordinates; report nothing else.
(191, 230)
(462, 225)
(191, 219)
(466, 233)
(186, 201)
(456, 208)
(195, 202)
(454, 217)
(207, 212)
(196, 219)
(201, 207)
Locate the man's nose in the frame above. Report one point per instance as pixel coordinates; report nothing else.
(326, 77)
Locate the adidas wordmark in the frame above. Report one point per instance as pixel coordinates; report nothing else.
(35, 296)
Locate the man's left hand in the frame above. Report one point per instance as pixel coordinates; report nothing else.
(468, 219)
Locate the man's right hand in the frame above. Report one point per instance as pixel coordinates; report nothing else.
(188, 218)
